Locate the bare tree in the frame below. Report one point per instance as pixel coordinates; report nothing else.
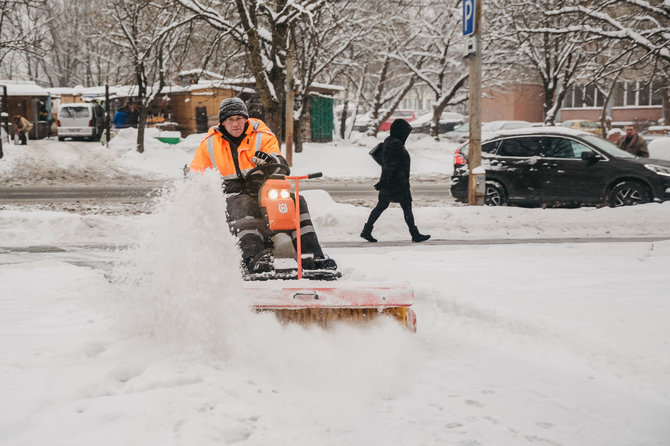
(625, 25)
(436, 58)
(21, 29)
(640, 22)
(556, 58)
(147, 32)
(328, 37)
(263, 30)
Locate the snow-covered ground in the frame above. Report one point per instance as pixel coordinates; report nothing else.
(531, 343)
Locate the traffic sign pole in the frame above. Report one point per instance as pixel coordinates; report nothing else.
(476, 177)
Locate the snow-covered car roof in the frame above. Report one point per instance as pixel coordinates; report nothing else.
(548, 130)
(444, 118)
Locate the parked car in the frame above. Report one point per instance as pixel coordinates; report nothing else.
(448, 122)
(80, 120)
(656, 132)
(407, 115)
(583, 125)
(462, 133)
(361, 122)
(557, 166)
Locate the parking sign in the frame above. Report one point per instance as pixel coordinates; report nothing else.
(468, 17)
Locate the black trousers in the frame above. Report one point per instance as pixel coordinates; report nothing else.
(248, 224)
(405, 203)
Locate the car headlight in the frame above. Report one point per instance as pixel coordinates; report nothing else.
(661, 170)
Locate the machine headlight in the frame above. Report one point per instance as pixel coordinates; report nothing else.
(285, 194)
(273, 194)
(661, 170)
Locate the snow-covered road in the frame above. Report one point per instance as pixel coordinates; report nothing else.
(517, 344)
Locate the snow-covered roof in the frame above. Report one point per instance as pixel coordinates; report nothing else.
(322, 86)
(58, 91)
(199, 72)
(23, 88)
(209, 84)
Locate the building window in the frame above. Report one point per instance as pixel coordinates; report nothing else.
(619, 94)
(644, 98)
(631, 94)
(637, 93)
(589, 95)
(657, 93)
(584, 96)
(578, 97)
(625, 94)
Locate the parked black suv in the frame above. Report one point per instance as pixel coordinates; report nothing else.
(553, 166)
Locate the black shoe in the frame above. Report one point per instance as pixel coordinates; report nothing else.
(367, 233)
(263, 262)
(420, 238)
(315, 263)
(417, 236)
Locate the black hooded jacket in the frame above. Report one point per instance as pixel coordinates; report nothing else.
(394, 182)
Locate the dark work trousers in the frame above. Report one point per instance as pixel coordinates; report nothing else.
(23, 139)
(405, 203)
(248, 224)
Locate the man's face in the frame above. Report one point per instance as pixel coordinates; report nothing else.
(234, 125)
(630, 130)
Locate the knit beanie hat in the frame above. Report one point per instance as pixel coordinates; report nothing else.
(232, 107)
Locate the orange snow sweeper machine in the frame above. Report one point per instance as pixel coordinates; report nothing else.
(316, 296)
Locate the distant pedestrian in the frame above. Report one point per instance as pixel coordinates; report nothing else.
(120, 119)
(393, 185)
(22, 127)
(133, 116)
(633, 143)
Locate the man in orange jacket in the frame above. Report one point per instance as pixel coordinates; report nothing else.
(234, 147)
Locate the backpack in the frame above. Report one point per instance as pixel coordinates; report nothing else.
(376, 153)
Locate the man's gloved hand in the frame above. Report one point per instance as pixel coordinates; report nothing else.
(261, 158)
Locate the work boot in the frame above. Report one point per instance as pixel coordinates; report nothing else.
(262, 262)
(314, 263)
(417, 236)
(367, 233)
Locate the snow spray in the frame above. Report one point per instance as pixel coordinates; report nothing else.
(181, 284)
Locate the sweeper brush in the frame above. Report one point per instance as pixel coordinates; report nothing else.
(306, 302)
(315, 296)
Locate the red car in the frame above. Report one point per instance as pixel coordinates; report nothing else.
(407, 115)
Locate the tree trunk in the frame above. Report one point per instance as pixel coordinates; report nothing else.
(141, 94)
(343, 118)
(603, 112)
(666, 106)
(297, 136)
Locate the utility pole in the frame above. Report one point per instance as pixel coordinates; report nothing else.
(107, 120)
(288, 113)
(4, 117)
(472, 16)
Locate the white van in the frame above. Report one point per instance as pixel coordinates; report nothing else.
(80, 120)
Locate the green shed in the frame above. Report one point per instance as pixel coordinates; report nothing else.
(321, 118)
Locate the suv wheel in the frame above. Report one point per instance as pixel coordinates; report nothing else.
(495, 194)
(628, 193)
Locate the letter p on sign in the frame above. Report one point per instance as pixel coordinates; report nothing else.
(468, 17)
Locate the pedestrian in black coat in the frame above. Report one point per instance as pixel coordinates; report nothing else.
(393, 185)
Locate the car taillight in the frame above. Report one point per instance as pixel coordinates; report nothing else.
(58, 123)
(90, 123)
(459, 159)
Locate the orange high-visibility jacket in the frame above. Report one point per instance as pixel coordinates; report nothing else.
(214, 150)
